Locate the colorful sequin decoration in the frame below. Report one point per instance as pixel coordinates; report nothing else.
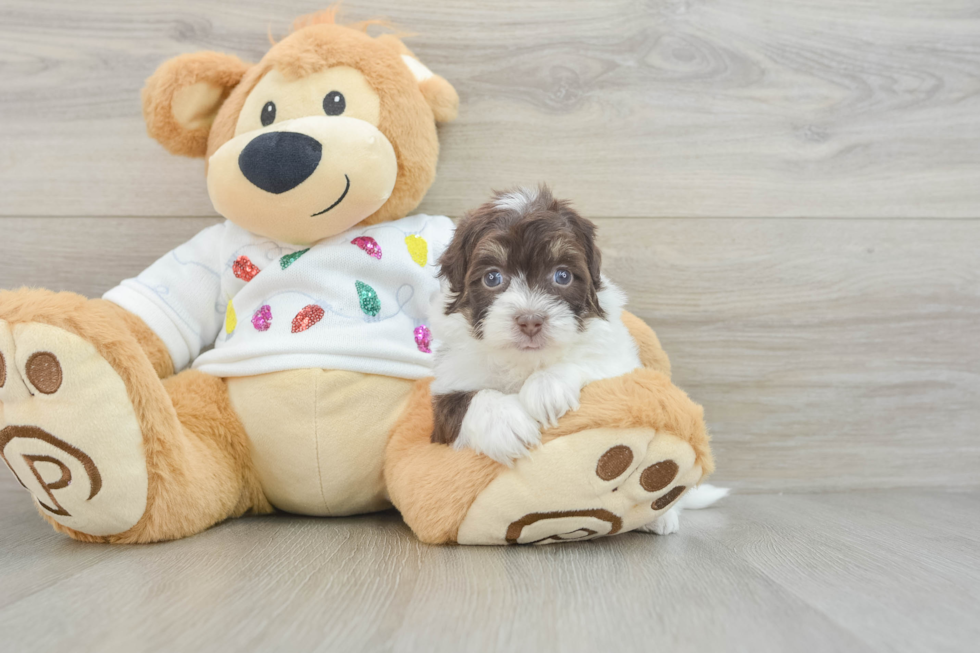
(423, 338)
(289, 259)
(231, 320)
(369, 245)
(307, 317)
(370, 303)
(262, 318)
(418, 248)
(244, 269)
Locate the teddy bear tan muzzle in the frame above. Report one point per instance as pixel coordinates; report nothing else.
(316, 176)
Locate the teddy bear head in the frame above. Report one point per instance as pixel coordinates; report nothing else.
(333, 127)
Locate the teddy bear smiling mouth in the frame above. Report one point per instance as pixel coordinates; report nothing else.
(339, 200)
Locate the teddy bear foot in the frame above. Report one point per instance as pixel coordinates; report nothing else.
(582, 486)
(68, 430)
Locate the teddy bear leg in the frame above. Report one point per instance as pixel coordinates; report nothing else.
(109, 451)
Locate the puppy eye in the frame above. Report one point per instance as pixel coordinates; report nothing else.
(493, 279)
(334, 103)
(268, 115)
(563, 277)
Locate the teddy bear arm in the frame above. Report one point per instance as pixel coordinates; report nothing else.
(151, 344)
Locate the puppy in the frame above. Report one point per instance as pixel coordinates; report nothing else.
(524, 320)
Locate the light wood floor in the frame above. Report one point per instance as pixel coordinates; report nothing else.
(891, 570)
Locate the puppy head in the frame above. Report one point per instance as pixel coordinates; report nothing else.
(524, 271)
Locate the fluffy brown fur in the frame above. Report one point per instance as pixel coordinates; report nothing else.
(652, 355)
(409, 109)
(531, 243)
(154, 348)
(434, 485)
(642, 398)
(222, 71)
(448, 412)
(198, 466)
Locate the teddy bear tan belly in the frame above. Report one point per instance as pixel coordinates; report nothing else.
(318, 436)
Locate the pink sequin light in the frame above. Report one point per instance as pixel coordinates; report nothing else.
(423, 338)
(369, 245)
(262, 318)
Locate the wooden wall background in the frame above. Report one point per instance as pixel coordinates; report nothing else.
(789, 191)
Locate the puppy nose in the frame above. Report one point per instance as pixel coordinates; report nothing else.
(530, 325)
(280, 161)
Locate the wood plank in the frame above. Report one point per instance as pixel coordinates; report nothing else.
(880, 557)
(820, 108)
(762, 573)
(86, 255)
(829, 354)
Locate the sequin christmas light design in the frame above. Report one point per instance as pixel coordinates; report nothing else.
(423, 339)
(289, 259)
(231, 320)
(370, 303)
(418, 249)
(369, 245)
(307, 317)
(262, 318)
(244, 269)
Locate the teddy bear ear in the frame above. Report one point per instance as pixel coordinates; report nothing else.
(438, 93)
(182, 98)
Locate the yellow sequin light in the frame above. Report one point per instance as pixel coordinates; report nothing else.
(418, 248)
(231, 321)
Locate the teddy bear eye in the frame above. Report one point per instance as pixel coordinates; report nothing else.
(268, 114)
(334, 103)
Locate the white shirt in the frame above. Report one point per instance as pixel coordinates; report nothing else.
(358, 301)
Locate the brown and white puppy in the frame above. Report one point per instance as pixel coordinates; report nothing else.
(525, 320)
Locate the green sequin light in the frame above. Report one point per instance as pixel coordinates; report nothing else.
(289, 259)
(370, 303)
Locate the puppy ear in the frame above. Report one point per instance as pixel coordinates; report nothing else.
(585, 231)
(593, 259)
(182, 98)
(455, 260)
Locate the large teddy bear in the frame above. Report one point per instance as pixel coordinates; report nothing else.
(303, 322)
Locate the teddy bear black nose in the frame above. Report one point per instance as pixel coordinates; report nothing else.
(280, 161)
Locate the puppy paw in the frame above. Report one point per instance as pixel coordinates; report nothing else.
(496, 425)
(548, 394)
(665, 524)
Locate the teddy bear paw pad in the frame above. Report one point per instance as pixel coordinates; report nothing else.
(68, 430)
(583, 486)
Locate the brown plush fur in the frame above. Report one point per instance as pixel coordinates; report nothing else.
(220, 70)
(432, 485)
(199, 470)
(652, 355)
(643, 398)
(151, 344)
(409, 109)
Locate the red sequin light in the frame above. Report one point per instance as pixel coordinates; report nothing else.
(307, 317)
(244, 269)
